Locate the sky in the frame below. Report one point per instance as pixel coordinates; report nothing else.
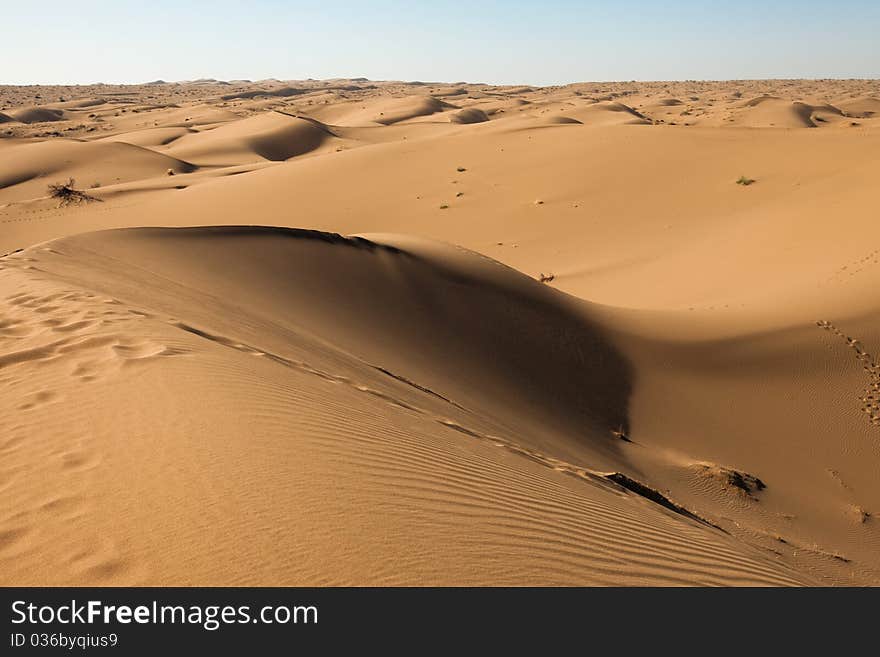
(492, 41)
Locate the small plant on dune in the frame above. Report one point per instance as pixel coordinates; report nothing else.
(744, 181)
(546, 278)
(444, 207)
(461, 169)
(68, 194)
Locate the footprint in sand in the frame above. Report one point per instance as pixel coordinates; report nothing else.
(73, 326)
(64, 507)
(870, 397)
(38, 399)
(140, 351)
(100, 562)
(11, 540)
(11, 444)
(79, 460)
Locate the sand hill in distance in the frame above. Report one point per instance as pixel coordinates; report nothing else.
(351, 332)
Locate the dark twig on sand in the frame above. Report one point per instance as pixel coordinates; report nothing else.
(68, 194)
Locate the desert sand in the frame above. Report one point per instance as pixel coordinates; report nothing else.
(349, 332)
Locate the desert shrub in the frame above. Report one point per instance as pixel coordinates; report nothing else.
(67, 193)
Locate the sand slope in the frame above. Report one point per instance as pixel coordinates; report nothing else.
(287, 422)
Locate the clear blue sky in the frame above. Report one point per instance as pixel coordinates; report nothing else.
(551, 42)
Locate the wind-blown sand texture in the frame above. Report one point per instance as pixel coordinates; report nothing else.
(349, 333)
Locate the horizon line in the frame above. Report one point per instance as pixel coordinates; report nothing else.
(206, 80)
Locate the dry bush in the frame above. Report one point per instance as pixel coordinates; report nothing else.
(68, 194)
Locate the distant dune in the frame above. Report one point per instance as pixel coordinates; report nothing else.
(26, 169)
(37, 115)
(269, 136)
(608, 112)
(382, 110)
(469, 115)
(865, 107)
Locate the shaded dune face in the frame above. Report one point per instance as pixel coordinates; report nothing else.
(37, 115)
(481, 334)
(469, 115)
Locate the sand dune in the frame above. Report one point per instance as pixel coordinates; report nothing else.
(334, 405)
(151, 137)
(80, 103)
(37, 115)
(768, 111)
(469, 115)
(607, 113)
(198, 115)
(865, 107)
(382, 111)
(26, 169)
(283, 92)
(485, 335)
(269, 136)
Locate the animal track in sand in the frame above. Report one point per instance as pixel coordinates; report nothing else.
(856, 266)
(305, 367)
(796, 547)
(853, 510)
(835, 475)
(870, 398)
(619, 481)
